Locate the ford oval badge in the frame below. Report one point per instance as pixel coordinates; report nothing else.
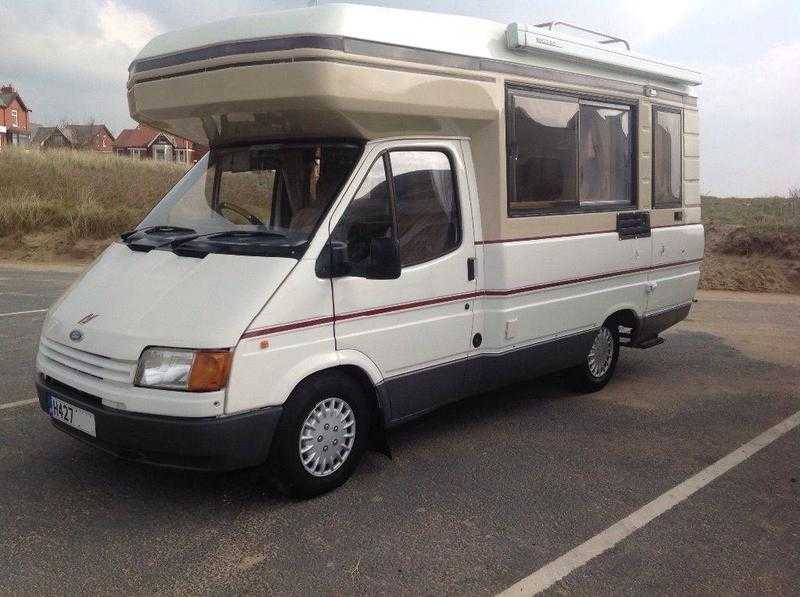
(76, 335)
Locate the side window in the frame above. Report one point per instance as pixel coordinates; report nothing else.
(666, 158)
(544, 151)
(606, 169)
(428, 222)
(567, 154)
(368, 216)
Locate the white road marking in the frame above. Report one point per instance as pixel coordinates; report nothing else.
(18, 403)
(23, 312)
(547, 576)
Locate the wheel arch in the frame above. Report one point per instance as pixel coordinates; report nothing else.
(625, 316)
(363, 370)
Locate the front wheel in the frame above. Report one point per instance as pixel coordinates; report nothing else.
(322, 435)
(600, 362)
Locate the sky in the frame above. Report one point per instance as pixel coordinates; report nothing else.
(69, 61)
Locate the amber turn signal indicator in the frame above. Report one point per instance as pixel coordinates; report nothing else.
(210, 370)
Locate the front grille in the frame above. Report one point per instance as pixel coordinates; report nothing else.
(69, 392)
(86, 363)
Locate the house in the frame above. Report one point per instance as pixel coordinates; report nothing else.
(146, 142)
(50, 137)
(95, 137)
(32, 128)
(13, 118)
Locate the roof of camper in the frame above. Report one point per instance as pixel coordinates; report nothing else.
(451, 34)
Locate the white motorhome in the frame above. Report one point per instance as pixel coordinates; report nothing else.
(398, 209)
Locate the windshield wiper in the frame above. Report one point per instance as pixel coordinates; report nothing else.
(157, 230)
(246, 234)
(212, 236)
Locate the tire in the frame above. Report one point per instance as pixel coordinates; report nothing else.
(593, 374)
(329, 456)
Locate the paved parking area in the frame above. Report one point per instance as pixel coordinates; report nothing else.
(476, 497)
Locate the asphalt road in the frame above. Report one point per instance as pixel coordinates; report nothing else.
(477, 495)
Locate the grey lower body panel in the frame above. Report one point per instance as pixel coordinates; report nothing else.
(653, 324)
(416, 393)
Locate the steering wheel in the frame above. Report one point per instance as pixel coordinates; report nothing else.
(253, 219)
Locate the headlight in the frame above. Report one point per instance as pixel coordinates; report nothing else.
(183, 369)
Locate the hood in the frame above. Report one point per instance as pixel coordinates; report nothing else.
(138, 299)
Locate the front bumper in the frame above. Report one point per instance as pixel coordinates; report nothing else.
(207, 443)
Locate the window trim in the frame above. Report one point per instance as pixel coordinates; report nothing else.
(14, 119)
(632, 105)
(655, 108)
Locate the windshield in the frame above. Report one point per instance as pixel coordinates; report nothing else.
(258, 199)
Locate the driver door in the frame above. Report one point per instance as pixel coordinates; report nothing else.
(417, 328)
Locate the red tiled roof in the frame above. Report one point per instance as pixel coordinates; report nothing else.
(143, 135)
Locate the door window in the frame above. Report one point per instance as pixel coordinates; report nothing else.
(419, 208)
(369, 216)
(428, 223)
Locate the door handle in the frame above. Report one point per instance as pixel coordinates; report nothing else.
(470, 268)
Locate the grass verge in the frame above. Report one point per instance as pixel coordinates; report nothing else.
(752, 244)
(67, 205)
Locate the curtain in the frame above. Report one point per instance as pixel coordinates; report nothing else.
(443, 183)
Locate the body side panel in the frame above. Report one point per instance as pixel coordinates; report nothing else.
(541, 289)
(675, 284)
(292, 335)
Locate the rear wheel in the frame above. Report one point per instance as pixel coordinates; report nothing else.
(600, 362)
(322, 435)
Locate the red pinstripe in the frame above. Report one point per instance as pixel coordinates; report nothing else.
(285, 327)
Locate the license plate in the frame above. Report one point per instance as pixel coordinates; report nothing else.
(72, 416)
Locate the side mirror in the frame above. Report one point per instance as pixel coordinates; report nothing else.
(332, 261)
(384, 260)
(382, 263)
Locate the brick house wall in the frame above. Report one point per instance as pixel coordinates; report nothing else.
(103, 142)
(6, 119)
(15, 112)
(146, 142)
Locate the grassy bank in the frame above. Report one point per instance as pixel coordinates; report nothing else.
(67, 206)
(752, 244)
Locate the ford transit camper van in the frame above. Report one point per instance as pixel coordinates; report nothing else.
(398, 209)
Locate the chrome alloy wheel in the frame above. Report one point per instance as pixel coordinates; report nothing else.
(327, 437)
(601, 353)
